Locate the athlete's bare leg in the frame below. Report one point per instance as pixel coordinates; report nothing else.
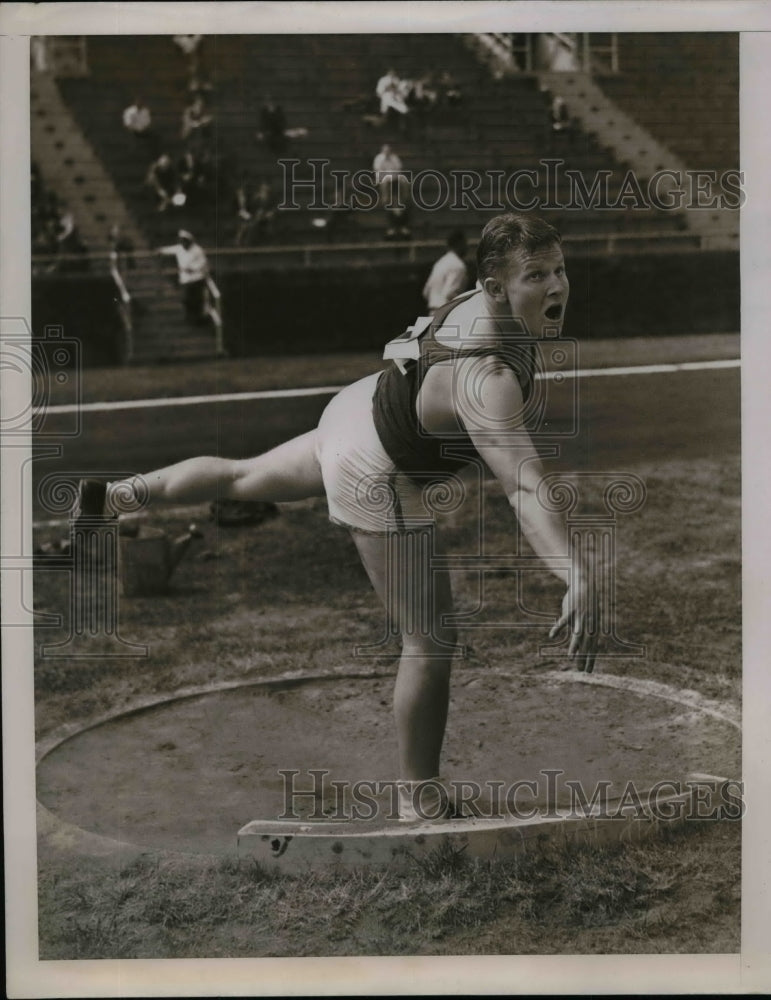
(289, 472)
(421, 692)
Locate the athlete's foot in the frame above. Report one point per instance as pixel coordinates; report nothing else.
(449, 812)
(92, 501)
(426, 802)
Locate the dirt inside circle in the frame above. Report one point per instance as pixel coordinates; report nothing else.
(187, 774)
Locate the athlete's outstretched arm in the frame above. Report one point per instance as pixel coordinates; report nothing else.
(489, 403)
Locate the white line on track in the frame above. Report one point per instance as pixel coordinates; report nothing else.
(330, 390)
(664, 369)
(135, 404)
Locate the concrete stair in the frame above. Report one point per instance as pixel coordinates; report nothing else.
(155, 328)
(71, 168)
(161, 332)
(633, 145)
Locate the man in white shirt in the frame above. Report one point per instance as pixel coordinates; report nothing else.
(388, 167)
(193, 270)
(138, 120)
(136, 117)
(389, 90)
(449, 275)
(387, 164)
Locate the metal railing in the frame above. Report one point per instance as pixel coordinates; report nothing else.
(212, 301)
(423, 251)
(307, 255)
(124, 309)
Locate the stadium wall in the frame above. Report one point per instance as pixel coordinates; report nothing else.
(319, 311)
(83, 305)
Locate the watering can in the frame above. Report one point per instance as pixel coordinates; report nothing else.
(148, 557)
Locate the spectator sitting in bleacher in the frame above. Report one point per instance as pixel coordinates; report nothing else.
(560, 118)
(387, 166)
(163, 179)
(54, 230)
(264, 209)
(394, 192)
(44, 222)
(392, 93)
(256, 211)
(45, 244)
(194, 170)
(196, 122)
(423, 93)
(69, 242)
(187, 168)
(139, 122)
(272, 125)
(66, 222)
(450, 90)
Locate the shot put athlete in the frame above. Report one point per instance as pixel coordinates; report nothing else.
(461, 383)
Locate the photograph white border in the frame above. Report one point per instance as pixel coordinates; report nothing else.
(748, 972)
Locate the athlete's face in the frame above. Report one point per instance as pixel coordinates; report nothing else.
(535, 287)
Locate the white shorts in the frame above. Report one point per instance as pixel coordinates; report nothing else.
(365, 490)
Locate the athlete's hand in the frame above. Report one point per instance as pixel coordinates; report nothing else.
(581, 618)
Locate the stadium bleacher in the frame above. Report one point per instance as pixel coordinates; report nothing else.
(682, 87)
(499, 125)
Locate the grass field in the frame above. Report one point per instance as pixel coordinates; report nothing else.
(246, 604)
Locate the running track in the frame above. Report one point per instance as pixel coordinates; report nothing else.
(624, 417)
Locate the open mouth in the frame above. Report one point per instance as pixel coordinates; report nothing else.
(554, 313)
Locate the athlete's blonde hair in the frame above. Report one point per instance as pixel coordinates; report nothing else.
(508, 233)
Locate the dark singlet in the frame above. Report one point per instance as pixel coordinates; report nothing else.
(414, 450)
